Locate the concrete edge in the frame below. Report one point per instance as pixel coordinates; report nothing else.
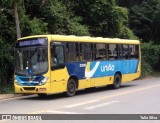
(7, 96)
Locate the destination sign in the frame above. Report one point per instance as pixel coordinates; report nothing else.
(32, 42)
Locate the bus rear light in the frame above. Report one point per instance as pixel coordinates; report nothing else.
(42, 89)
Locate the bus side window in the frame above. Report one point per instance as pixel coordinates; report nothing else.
(81, 52)
(113, 51)
(57, 56)
(125, 51)
(101, 53)
(53, 56)
(87, 52)
(71, 51)
(134, 51)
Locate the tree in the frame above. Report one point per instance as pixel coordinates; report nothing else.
(103, 17)
(145, 20)
(8, 9)
(129, 3)
(6, 60)
(59, 18)
(7, 26)
(17, 19)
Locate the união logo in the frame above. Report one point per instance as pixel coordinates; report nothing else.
(105, 68)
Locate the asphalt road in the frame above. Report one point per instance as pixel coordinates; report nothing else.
(136, 97)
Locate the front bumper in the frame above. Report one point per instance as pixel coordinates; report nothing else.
(43, 89)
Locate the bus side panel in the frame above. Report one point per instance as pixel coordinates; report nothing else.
(106, 70)
(101, 81)
(86, 83)
(77, 69)
(129, 77)
(101, 73)
(59, 80)
(132, 76)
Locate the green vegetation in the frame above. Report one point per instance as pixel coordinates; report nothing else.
(145, 20)
(105, 18)
(150, 59)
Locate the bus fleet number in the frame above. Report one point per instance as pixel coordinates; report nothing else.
(82, 65)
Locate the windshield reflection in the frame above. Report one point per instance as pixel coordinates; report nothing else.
(31, 61)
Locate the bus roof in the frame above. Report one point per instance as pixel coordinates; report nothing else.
(73, 38)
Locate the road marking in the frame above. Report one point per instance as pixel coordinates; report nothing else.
(111, 96)
(102, 104)
(62, 112)
(79, 104)
(129, 92)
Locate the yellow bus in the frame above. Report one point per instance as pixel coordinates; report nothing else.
(48, 64)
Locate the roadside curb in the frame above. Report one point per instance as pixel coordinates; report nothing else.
(7, 96)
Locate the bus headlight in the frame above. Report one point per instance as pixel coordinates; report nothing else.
(44, 80)
(16, 82)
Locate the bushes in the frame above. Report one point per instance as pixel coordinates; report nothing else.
(147, 70)
(6, 65)
(150, 58)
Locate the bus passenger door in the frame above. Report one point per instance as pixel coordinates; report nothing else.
(59, 72)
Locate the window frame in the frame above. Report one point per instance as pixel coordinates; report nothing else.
(93, 51)
(59, 65)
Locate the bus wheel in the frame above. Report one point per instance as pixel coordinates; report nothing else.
(117, 81)
(71, 88)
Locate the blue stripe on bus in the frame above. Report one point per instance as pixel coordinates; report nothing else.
(76, 69)
(27, 81)
(105, 68)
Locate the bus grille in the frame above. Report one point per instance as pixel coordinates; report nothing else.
(24, 79)
(29, 88)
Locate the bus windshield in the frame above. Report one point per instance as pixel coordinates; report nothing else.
(31, 60)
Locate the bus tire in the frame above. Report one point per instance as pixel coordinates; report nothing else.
(71, 88)
(117, 81)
